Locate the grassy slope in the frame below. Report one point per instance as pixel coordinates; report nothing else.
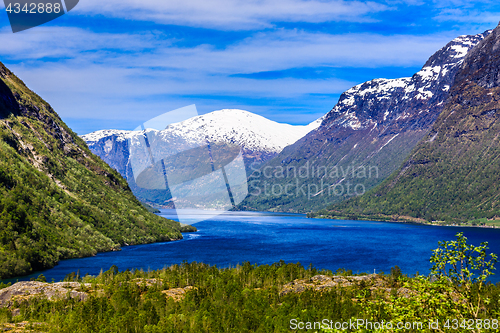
(57, 199)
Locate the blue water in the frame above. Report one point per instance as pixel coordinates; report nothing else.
(265, 238)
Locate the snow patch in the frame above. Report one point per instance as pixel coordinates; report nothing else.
(388, 142)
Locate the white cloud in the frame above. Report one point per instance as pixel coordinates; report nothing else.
(119, 76)
(470, 17)
(86, 74)
(69, 42)
(277, 50)
(232, 14)
(115, 89)
(288, 49)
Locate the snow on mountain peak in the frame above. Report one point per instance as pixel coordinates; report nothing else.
(94, 137)
(250, 131)
(382, 100)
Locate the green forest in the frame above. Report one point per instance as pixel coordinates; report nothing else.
(282, 297)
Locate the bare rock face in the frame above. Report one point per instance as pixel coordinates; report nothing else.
(148, 282)
(324, 282)
(481, 66)
(27, 290)
(178, 293)
(20, 327)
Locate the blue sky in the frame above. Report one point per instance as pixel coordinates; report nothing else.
(118, 63)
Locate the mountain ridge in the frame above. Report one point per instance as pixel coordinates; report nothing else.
(220, 125)
(374, 125)
(259, 139)
(452, 175)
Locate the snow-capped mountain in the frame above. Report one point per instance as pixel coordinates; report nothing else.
(383, 102)
(374, 126)
(453, 173)
(259, 138)
(248, 130)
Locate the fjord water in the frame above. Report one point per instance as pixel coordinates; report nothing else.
(265, 238)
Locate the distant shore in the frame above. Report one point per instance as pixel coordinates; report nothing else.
(405, 219)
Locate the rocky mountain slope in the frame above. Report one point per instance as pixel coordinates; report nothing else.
(260, 139)
(362, 140)
(454, 173)
(57, 199)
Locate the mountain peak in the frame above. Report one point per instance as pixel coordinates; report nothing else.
(247, 129)
(387, 102)
(455, 50)
(260, 139)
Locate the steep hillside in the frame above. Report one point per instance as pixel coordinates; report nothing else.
(362, 140)
(57, 199)
(454, 172)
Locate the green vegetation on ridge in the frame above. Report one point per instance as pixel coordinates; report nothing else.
(57, 199)
(453, 175)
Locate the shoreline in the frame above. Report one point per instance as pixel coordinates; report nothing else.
(391, 219)
(37, 273)
(437, 224)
